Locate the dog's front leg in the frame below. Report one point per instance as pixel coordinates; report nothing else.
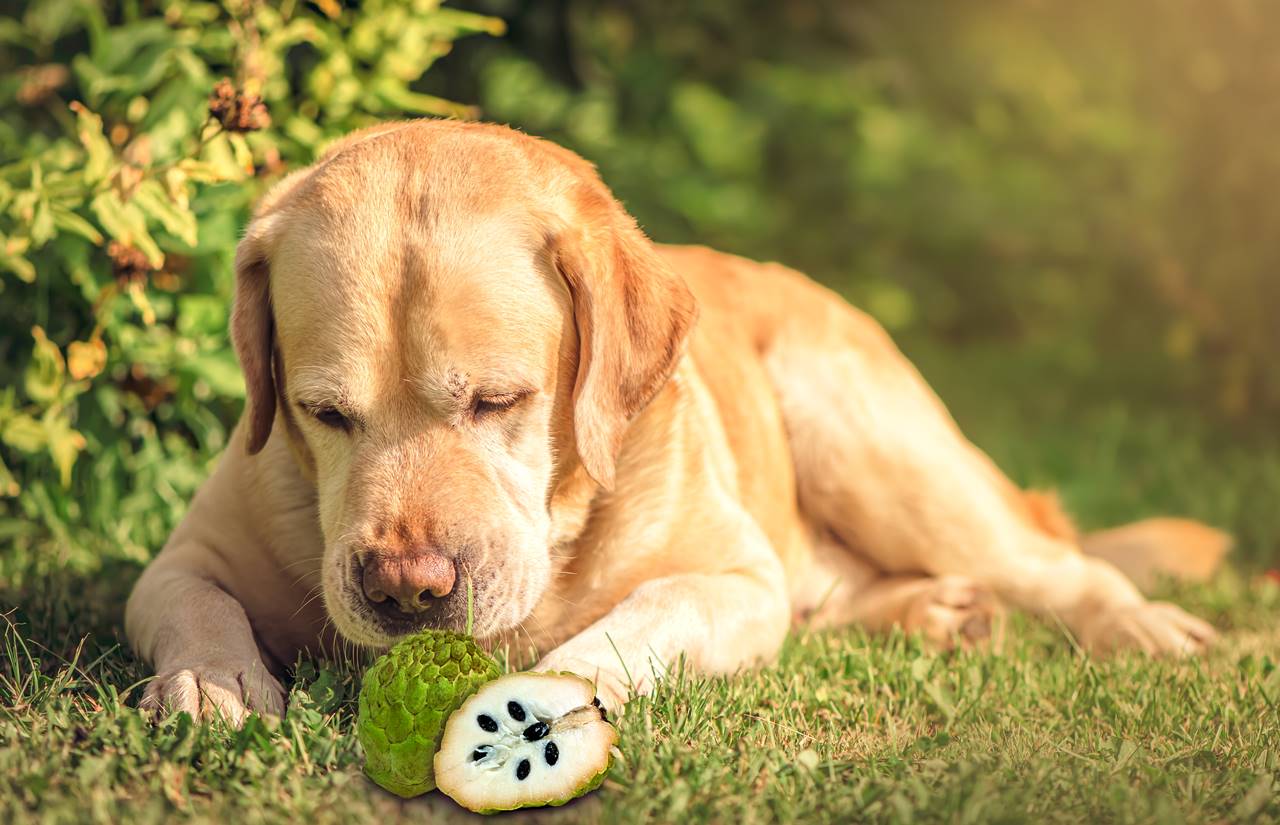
(719, 621)
(198, 638)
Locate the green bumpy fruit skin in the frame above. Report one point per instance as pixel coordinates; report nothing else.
(407, 696)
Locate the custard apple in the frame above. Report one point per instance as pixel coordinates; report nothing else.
(407, 696)
(525, 740)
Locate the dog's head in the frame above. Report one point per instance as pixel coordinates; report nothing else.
(447, 321)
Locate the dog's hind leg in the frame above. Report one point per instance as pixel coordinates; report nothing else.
(881, 466)
(947, 611)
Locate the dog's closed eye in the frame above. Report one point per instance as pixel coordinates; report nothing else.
(329, 416)
(488, 405)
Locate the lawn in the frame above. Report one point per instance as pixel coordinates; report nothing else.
(844, 727)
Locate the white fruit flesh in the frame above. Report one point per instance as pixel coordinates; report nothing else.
(491, 759)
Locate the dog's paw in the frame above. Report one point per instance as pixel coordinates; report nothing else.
(956, 612)
(1157, 628)
(209, 692)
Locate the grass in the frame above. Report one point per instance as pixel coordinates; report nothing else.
(844, 728)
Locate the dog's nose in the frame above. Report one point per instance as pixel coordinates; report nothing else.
(408, 582)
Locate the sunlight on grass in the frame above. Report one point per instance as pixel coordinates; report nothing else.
(845, 727)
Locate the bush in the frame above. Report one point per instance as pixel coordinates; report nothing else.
(137, 136)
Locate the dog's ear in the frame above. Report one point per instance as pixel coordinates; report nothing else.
(633, 315)
(252, 321)
(252, 333)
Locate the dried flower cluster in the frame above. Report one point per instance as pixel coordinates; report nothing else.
(237, 110)
(128, 265)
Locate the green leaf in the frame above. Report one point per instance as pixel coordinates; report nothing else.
(69, 221)
(202, 315)
(64, 443)
(127, 224)
(304, 131)
(202, 172)
(42, 224)
(296, 31)
(24, 434)
(74, 253)
(220, 371)
(100, 154)
(220, 160)
(12, 259)
(126, 42)
(138, 297)
(242, 152)
(155, 202)
(91, 78)
(45, 371)
(459, 23)
(398, 96)
(48, 20)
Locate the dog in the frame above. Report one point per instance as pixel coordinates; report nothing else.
(472, 380)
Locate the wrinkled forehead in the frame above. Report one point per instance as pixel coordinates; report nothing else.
(375, 293)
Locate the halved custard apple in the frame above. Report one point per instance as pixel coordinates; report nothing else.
(526, 740)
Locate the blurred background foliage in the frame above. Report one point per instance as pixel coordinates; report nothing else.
(1099, 177)
(1093, 182)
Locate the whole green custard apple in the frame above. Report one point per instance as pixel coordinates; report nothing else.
(407, 696)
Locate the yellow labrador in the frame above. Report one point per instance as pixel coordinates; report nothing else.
(468, 371)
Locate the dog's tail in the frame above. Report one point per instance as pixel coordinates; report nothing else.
(1148, 549)
(1144, 550)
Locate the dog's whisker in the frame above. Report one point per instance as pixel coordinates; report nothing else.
(303, 577)
(522, 629)
(551, 594)
(307, 560)
(315, 593)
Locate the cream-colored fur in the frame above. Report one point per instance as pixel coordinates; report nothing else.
(512, 376)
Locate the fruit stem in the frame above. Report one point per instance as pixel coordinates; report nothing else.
(576, 718)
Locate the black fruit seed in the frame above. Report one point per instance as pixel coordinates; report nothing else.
(522, 770)
(551, 753)
(479, 753)
(536, 731)
(517, 712)
(486, 723)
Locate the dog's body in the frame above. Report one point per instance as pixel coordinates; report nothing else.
(468, 369)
